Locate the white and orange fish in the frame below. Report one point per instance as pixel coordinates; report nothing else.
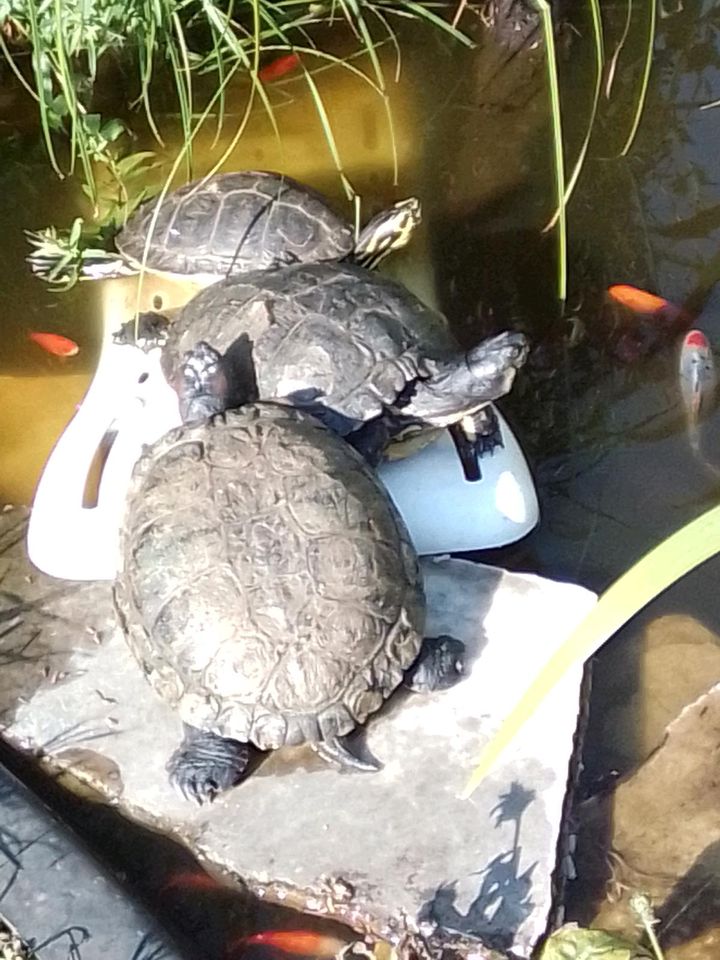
(697, 378)
(298, 943)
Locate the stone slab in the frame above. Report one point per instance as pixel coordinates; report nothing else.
(388, 852)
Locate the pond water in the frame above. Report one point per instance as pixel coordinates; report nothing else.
(606, 437)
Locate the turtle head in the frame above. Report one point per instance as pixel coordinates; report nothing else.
(389, 230)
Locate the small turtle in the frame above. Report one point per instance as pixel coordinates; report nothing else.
(234, 223)
(269, 590)
(356, 348)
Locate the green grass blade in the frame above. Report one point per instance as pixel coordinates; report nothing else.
(37, 54)
(354, 10)
(179, 61)
(599, 66)
(659, 569)
(173, 171)
(328, 133)
(612, 66)
(652, 26)
(543, 9)
(14, 67)
(423, 12)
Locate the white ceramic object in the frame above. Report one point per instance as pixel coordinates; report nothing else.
(130, 400)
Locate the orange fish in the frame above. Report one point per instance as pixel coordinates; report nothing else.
(639, 301)
(279, 67)
(56, 344)
(191, 880)
(299, 943)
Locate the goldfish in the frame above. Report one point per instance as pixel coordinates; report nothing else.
(639, 301)
(658, 317)
(279, 67)
(696, 374)
(191, 880)
(299, 943)
(55, 344)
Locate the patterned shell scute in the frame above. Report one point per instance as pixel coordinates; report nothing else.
(268, 586)
(235, 223)
(350, 337)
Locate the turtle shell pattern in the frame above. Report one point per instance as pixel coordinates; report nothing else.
(337, 332)
(236, 222)
(268, 587)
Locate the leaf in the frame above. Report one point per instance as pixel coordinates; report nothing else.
(112, 129)
(659, 569)
(575, 943)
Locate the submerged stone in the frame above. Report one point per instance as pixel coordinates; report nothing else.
(388, 853)
(658, 832)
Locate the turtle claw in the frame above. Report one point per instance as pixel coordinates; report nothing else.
(205, 765)
(474, 437)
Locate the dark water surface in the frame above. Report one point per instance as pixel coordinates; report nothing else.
(606, 438)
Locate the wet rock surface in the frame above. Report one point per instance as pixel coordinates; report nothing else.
(658, 832)
(387, 852)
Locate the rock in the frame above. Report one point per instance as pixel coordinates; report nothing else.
(386, 853)
(663, 829)
(648, 684)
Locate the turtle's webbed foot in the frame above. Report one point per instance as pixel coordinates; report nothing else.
(146, 331)
(483, 430)
(205, 765)
(200, 383)
(439, 666)
(475, 436)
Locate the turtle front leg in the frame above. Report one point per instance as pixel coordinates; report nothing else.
(200, 383)
(371, 440)
(439, 666)
(446, 389)
(205, 765)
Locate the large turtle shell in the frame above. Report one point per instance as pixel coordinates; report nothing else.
(338, 333)
(268, 586)
(233, 223)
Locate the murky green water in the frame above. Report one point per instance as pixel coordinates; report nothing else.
(606, 438)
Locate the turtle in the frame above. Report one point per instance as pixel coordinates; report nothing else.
(356, 348)
(270, 592)
(234, 223)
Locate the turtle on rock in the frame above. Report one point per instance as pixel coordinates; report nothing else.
(269, 589)
(235, 223)
(355, 348)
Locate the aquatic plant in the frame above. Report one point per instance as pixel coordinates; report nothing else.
(55, 49)
(571, 942)
(659, 569)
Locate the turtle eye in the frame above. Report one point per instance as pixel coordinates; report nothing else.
(157, 302)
